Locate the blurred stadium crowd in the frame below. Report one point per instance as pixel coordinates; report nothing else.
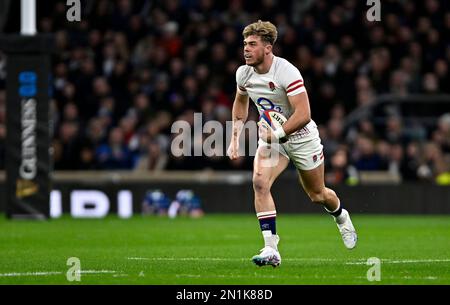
(129, 69)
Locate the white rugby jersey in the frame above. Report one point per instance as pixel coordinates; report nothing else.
(270, 91)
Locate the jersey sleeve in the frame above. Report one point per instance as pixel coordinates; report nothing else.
(240, 81)
(291, 80)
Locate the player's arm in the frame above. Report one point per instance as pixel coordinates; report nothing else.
(301, 115)
(299, 118)
(240, 114)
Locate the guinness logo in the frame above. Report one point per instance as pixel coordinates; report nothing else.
(25, 188)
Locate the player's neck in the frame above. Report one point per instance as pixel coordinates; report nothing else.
(264, 67)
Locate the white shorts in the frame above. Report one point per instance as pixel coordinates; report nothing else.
(304, 147)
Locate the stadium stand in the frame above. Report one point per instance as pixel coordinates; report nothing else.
(129, 69)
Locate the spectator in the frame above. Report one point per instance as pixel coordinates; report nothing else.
(152, 159)
(2, 146)
(69, 140)
(339, 170)
(115, 154)
(366, 157)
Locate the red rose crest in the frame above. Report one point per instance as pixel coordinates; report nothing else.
(272, 86)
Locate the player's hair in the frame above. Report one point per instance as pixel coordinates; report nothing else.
(264, 29)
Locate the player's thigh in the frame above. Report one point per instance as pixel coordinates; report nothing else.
(312, 180)
(268, 164)
(308, 158)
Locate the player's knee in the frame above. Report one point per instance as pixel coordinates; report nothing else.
(261, 185)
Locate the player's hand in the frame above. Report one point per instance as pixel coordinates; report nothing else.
(233, 149)
(265, 132)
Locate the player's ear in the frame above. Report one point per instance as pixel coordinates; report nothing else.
(268, 48)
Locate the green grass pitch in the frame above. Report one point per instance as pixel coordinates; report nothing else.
(217, 249)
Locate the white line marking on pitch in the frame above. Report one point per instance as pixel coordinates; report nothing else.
(120, 275)
(223, 259)
(96, 271)
(184, 259)
(227, 276)
(47, 273)
(404, 261)
(30, 273)
(360, 261)
(300, 277)
(407, 277)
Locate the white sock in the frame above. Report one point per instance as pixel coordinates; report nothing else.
(341, 218)
(270, 240)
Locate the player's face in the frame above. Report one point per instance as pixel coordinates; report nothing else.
(254, 50)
